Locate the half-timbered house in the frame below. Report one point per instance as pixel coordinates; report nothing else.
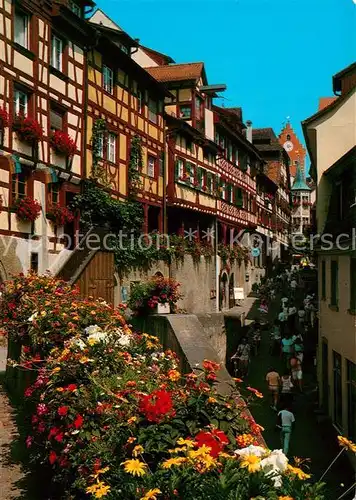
(42, 98)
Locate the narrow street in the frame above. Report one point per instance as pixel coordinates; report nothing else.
(312, 439)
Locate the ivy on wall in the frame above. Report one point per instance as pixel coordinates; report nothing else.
(98, 145)
(135, 167)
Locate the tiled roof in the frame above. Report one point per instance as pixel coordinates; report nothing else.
(176, 72)
(263, 133)
(157, 56)
(275, 146)
(325, 102)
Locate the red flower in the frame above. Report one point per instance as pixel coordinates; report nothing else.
(60, 215)
(157, 405)
(216, 440)
(4, 118)
(62, 143)
(210, 366)
(71, 388)
(78, 422)
(52, 457)
(27, 209)
(63, 410)
(27, 129)
(59, 437)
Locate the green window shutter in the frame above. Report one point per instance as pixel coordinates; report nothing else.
(238, 197)
(200, 176)
(176, 171)
(334, 271)
(352, 284)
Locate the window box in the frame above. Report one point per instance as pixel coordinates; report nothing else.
(27, 209)
(4, 118)
(60, 216)
(63, 144)
(27, 129)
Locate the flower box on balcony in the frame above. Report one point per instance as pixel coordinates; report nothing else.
(63, 144)
(4, 118)
(27, 209)
(60, 216)
(27, 129)
(162, 308)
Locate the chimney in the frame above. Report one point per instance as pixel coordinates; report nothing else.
(249, 130)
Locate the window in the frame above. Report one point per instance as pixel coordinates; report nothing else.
(161, 165)
(185, 112)
(209, 181)
(74, 7)
(21, 99)
(57, 53)
(101, 145)
(191, 172)
(122, 78)
(34, 262)
(21, 29)
(238, 197)
(140, 101)
(56, 119)
(337, 389)
(151, 166)
(323, 280)
(334, 271)
(229, 151)
(180, 168)
(111, 148)
(189, 145)
(53, 193)
(236, 156)
(351, 400)
(108, 79)
(152, 111)
(18, 186)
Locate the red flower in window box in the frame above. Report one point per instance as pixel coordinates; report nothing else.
(4, 118)
(63, 144)
(204, 188)
(196, 184)
(27, 209)
(27, 129)
(60, 215)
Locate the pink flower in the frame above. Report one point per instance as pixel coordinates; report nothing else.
(29, 441)
(42, 409)
(28, 392)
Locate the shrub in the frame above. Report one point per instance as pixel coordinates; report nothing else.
(27, 209)
(113, 417)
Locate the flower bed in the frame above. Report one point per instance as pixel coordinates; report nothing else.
(113, 417)
(63, 144)
(27, 209)
(27, 129)
(146, 295)
(60, 215)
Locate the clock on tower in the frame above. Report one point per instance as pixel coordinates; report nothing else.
(288, 146)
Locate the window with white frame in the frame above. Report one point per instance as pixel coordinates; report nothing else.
(111, 148)
(180, 168)
(20, 102)
(21, 29)
(192, 173)
(151, 166)
(108, 79)
(57, 53)
(100, 151)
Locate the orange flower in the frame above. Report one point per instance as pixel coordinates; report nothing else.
(255, 392)
(210, 366)
(173, 375)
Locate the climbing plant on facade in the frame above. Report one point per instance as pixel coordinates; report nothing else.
(98, 141)
(135, 167)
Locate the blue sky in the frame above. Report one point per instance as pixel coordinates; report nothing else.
(277, 57)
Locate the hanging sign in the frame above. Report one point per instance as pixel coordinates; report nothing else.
(255, 252)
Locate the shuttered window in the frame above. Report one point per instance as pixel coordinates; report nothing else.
(56, 119)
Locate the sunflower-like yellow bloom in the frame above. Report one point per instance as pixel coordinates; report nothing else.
(173, 461)
(151, 494)
(346, 443)
(135, 467)
(298, 472)
(251, 462)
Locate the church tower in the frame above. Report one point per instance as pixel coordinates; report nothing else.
(295, 149)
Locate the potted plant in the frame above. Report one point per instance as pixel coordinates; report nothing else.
(63, 144)
(27, 209)
(60, 215)
(4, 118)
(157, 295)
(27, 129)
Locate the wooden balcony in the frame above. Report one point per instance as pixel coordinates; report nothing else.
(241, 179)
(234, 214)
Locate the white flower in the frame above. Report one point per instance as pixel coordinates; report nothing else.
(98, 336)
(124, 340)
(78, 343)
(34, 316)
(258, 451)
(274, 465)
(92, 329)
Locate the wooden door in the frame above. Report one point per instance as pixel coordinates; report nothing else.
(97, 279)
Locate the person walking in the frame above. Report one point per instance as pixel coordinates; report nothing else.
(297, 372)
(287, 386)
(287, 347)
(274, 381)
(287, 421)
(241, 358)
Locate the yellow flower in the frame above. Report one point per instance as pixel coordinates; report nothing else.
(212, 400)
(285, 498)
(207, 461)
(203, 450)
(151, 494)
(131, 420)
(178, 450)
(173, 461)
(186, 442)
(101, 471)
(135, 467)
(84, 359)
(251, 462)
(131, 440)
(138, 450)
(298, 472)
(227, 456)
(56, 369)
(92, 341)
(150, 345)
(43, 313)
(98, 489)
(173, 375)
(346, 443)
